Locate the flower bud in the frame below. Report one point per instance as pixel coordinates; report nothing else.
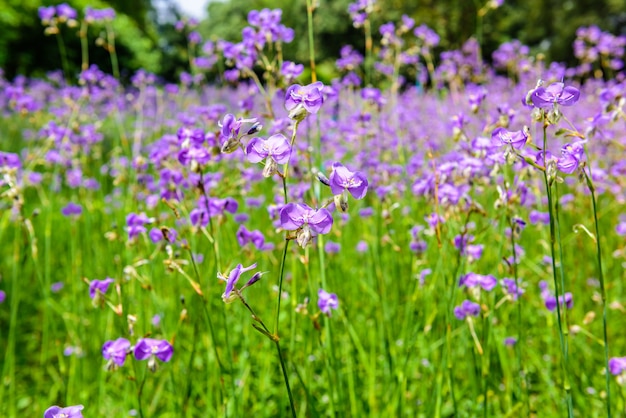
(304, 236)
(341, 201)
(298, 113)
(271, 168)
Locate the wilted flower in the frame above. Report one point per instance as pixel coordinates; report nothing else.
(228, 296)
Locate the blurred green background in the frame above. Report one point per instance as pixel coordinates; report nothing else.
(146, 37)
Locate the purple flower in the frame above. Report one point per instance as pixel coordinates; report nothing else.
(617, 365)
(46, 14)
(67, 412)
(301, 100)
(65, 11)
(571, 156)
(3, 296)
(478, 280)
(342, 179)
(274, 150)
(510, 288)
(307, 221)
(517, 139)
(327, 301)
(467, 308)
(232, 280)
(115, 351)
(150, 349)
(291, 70)
(510, 341)
(332, 247)
(72, 209)
(99, 287)
(555, 93)
(135, 224)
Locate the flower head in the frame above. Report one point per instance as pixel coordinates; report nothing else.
(617, 365)
(301, 100)
(555, 93)
(150, 348)
(115, 351)
(67, 412)
(231, 281)
(467, 308)
(327, 301)
(99, 287)
(343, 179)
(305, 220)
(517, 139)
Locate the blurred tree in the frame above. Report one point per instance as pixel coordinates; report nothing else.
(24, 49)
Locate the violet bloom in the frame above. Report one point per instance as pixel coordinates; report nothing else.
(302, 100)
(233, 277)
(510, 341)
(343, 181)
(327, 301)
(571, 156)
(115, 352)
(72, 209)
(617, 365)
(99, 287)
(467, 308)
(135, 224)
(3, 296)
(274, 150)
(306, 221)
(471, 280)
(555, 93)
(67, 412)
(150, 349)
(516, 139)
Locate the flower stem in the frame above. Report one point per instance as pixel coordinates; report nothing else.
(592, 190)
(548, 184)
(309, 14)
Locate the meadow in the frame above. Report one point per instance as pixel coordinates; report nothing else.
(449, 243)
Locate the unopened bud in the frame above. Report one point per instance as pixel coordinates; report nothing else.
(271, 167)
(298, 113)
(341, 201)
(304, 236)
(255, 128)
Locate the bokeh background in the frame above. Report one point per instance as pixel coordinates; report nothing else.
(147, 37)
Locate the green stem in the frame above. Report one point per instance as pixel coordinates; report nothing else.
(63, 52)
(309, 14)
(548, 184)
(111, 49)
(591, 188)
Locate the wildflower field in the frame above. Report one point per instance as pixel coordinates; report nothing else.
(449, 243)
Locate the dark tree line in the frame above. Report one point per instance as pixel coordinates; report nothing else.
(143, 40)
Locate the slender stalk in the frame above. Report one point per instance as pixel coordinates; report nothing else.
(548, 184)
(592, 190)
(522, 383)
(111, 49)
(63, 53)
(309, 13)
(84, 45)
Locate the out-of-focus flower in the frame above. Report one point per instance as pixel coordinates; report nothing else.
(327, 301)
(115, 352)
(67, 412)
